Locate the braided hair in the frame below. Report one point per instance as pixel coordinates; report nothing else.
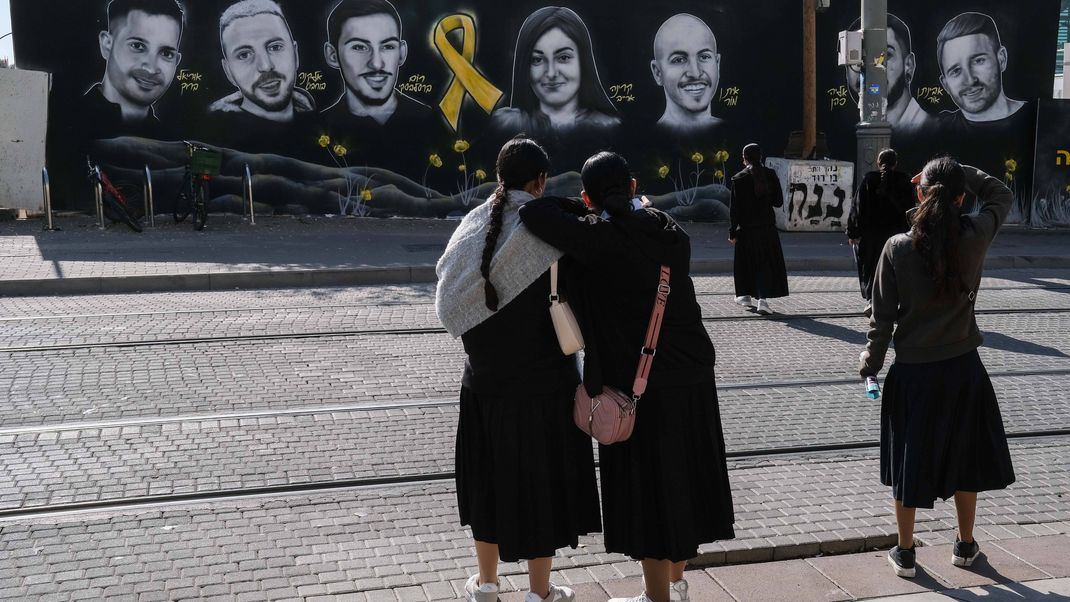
(752, 154)
(520, 161)
(886, 162)
(935, 233)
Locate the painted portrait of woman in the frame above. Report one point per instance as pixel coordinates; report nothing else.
(556, 87)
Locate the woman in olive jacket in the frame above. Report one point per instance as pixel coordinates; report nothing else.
(665, 490)
(941, 430)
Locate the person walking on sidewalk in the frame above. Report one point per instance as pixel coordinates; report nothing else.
(665, 490)
(525, 474)
(941, 430)
(879, 213)
(759, 260)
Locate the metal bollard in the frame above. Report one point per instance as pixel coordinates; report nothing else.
(150, 206)
(46, 191)
(98, 191)
(247, 192)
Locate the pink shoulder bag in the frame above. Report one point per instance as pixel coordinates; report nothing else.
(609, 417)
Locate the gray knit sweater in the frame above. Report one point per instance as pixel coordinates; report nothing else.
(519, 259)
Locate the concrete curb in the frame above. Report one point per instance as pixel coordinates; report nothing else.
(414, 274)
(765, 551)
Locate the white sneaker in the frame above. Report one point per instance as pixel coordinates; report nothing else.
(474, 592)
(677, 591)
(640, 598)
(763, 308)
(745, 301)
(558, 593)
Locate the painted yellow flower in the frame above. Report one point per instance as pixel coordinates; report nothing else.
(435, 161)
(462, 167)
(340, 150)
(461, 145)
(697, 158)
(721, 156)
(1011, 165)
(663, 171)
(718, 174)
(1068, 187)
(481, 175)
(325, 141)
(1008, 176)
(366, 195)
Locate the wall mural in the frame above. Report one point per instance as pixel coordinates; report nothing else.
(1051, 180)
(963, 79)
(383, 108)
(817, 194)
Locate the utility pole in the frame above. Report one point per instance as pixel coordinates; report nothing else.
(809, 77)
(874, 132)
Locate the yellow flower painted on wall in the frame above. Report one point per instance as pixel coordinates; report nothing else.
(697, 158)
(461, 146)
(340, 150)
(1008, 176)
(718, 174)
(721, 156)
(435, 161)
(325, 141)
(481, 175)
(1068, 187)
(366, 195)
(663, 171)
(462, 167)
(1011, 165)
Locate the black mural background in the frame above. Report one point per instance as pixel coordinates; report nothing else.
(759, 99)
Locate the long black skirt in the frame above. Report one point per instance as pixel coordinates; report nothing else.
(665, 490)
(759, 264)
(525, 473)
(941, 431)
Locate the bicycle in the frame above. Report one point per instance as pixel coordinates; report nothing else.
(118, 205)
(204, 163)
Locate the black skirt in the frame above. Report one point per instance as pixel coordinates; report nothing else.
(665, 490)
(759, 264)
(525, 473)
(941, 431)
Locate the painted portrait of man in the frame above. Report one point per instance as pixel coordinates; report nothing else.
(141, 53)
(687, 66)
(260, 59)
(972, 62)
(365, 44)
(905, 114)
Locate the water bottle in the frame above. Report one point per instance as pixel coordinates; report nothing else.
(873, 390)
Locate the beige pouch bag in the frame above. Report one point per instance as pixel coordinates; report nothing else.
(568, 330)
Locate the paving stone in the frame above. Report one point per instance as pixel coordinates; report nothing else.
(868, 575)
(993, 566)
(786, 581)
(1049, 554)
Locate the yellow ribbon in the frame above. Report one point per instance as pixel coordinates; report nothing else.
(465, 76)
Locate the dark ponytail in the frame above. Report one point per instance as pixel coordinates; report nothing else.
(607, 180)
(520, 161)
(887, 159)
(752, 154)
(935, 234)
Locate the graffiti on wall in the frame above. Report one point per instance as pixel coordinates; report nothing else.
(817, 194)
(1051, 176)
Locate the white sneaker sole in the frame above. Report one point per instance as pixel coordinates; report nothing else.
(963, 561)
(900, 571)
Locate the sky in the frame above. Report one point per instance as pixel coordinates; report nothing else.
(5, 26)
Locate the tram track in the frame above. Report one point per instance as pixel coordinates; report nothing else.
(370, 332)
(148, 502)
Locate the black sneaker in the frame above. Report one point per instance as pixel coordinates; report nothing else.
(902, 561)
(965, 553)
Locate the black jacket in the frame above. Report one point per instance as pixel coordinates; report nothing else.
(611, 273)
(881, 210)
(749, 210)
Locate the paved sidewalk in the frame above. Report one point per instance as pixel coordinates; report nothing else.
(321, 251)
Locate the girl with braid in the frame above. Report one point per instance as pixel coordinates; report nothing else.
(941, 431)
(525, 474)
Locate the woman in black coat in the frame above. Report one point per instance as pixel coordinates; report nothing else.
(759, 260)
(879, 213)
(665, 490)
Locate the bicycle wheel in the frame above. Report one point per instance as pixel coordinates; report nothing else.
(117, 212)
(200, 206)
(184, 200)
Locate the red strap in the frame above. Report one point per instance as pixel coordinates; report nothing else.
(646, 354)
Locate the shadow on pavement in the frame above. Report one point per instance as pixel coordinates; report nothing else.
(824, 329)
(1002, 342)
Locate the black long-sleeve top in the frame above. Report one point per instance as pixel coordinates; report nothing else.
(881, 209)
(751, 210)
(611, 274)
